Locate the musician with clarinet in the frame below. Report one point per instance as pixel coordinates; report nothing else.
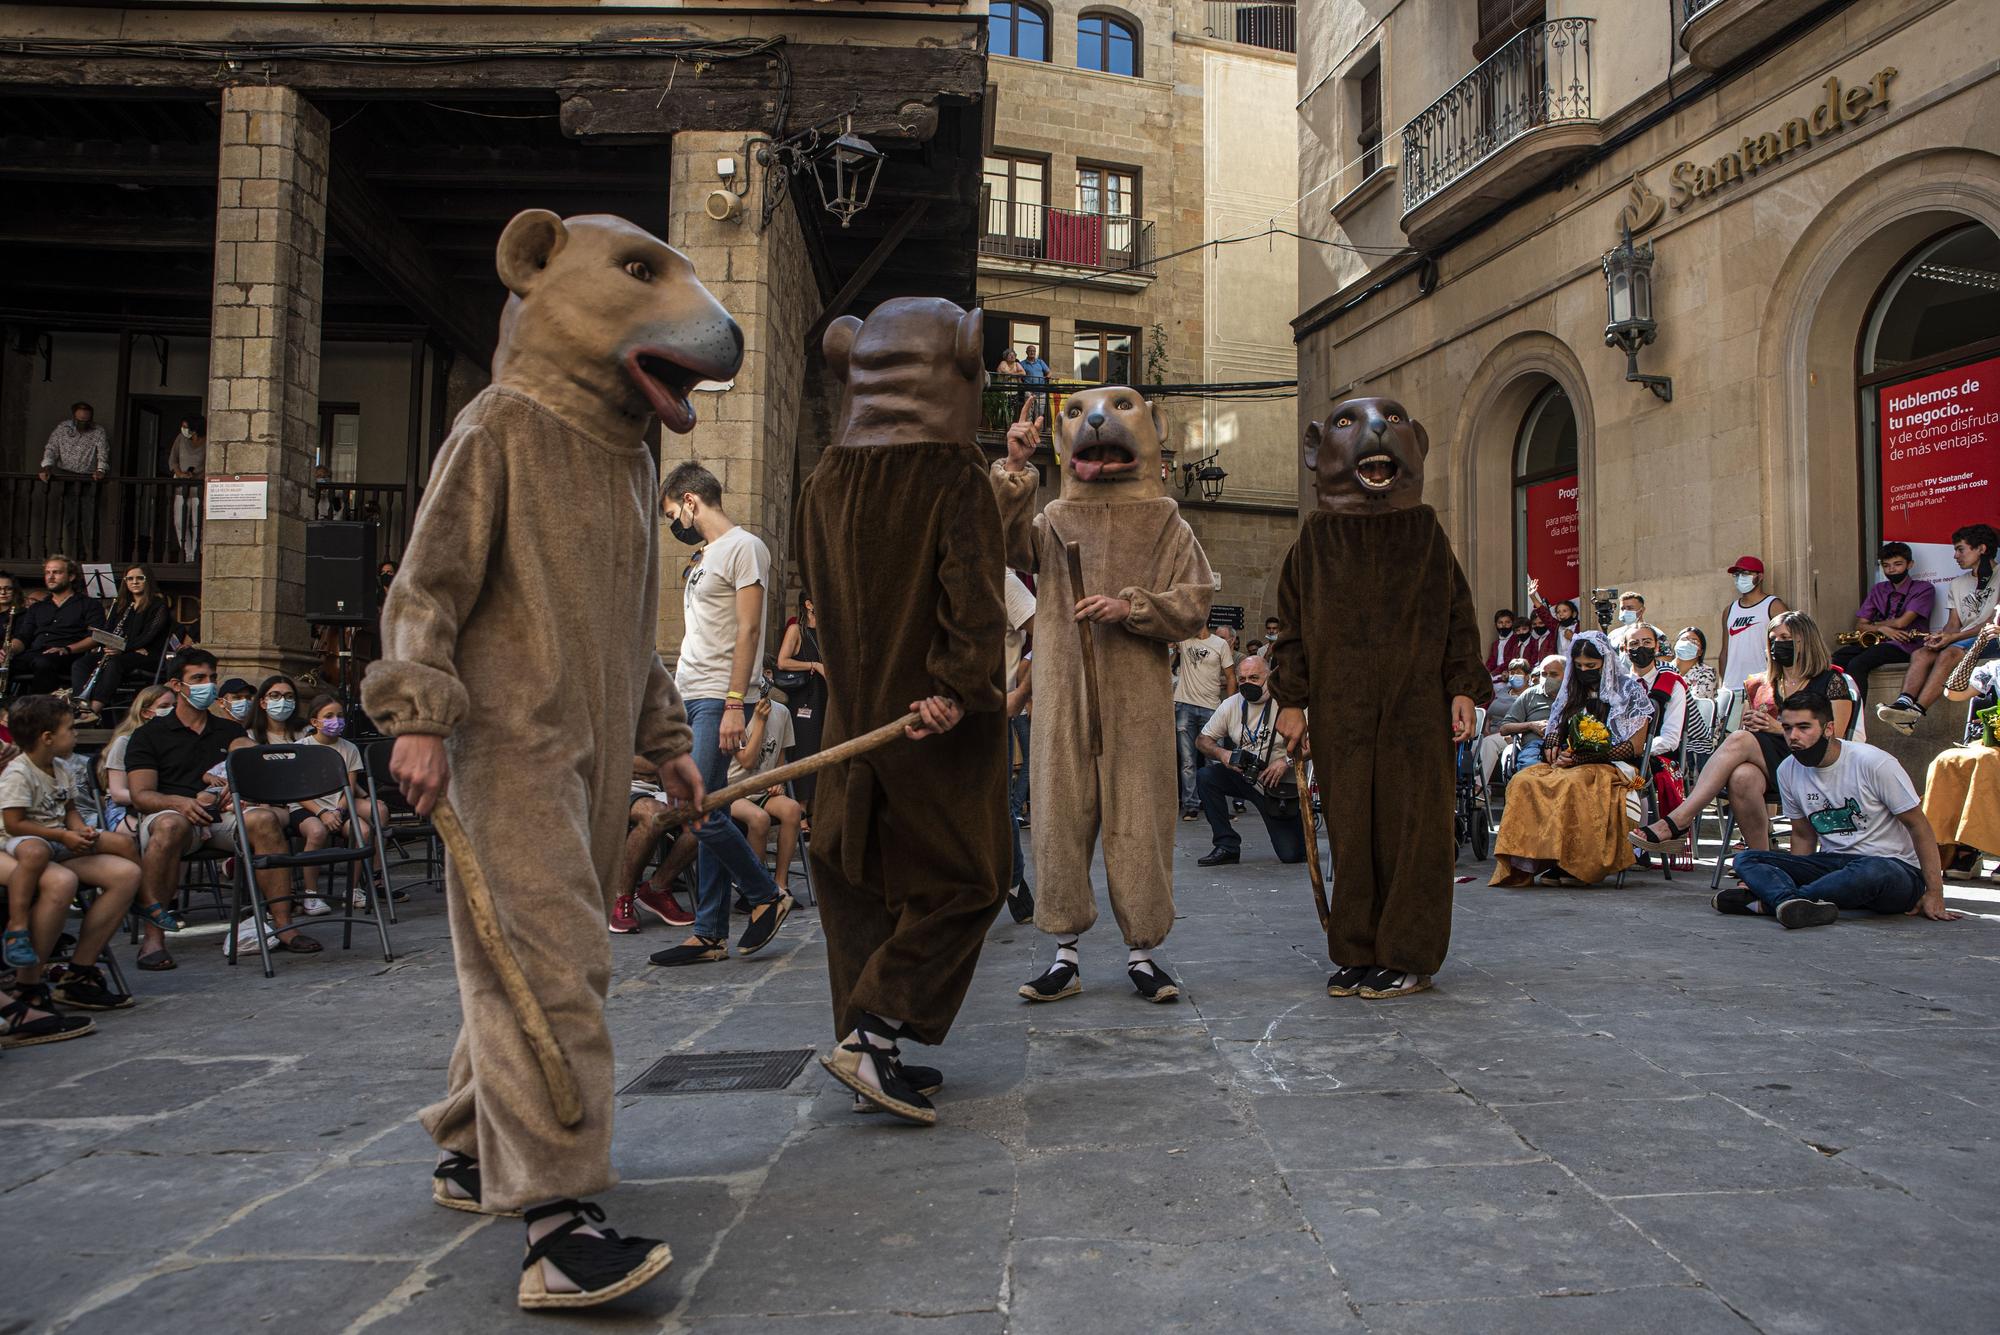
(140, 625)
(1891, 620)
(11, 611)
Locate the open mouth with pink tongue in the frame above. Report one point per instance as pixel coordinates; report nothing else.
(666, 383)
(1101, 460)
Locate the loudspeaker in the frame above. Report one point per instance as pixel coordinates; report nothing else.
(340, 572)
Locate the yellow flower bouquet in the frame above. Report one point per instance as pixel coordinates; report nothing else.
(1588, 734)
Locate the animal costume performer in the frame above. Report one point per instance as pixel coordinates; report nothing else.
(514, 671)
(1377, 638)
(899, 548)
(1146, 585)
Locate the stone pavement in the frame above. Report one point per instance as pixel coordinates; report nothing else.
(1617, 1112)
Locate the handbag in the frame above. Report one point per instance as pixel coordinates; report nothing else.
(790, 682)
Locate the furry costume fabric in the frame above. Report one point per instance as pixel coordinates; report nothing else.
(1378, 635)
(1144, 552)
(899, 548)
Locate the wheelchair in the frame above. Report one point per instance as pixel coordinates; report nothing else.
(1472, 804)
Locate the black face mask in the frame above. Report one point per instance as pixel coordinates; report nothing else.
(1784, 652)
(1251, 692)
(1642, 657)
(1587, 679)
(1502, 632)
(1898, 577)
(1812, 756)
(686, 533)
(1562, 620)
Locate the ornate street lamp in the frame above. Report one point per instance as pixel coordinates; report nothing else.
(1205, 473)
(1629, 324)
(845, 173)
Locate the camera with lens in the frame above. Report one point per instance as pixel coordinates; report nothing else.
(1605, 603)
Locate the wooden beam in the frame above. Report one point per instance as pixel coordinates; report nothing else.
(379, 241)
(864, 272)
(144, 235)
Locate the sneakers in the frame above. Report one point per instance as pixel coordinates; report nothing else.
(1021, 902)
(1152, 982)
(764, 924)
(1734, 899)
(83, 986)
(1902, 714)
(662, 905)
(1061, 980)
(694, 950)
(1219, 856)
(1346, 981)
(1804, 912)
(315, 907)
(1382, 983)
(625, 914)
(603, 1266)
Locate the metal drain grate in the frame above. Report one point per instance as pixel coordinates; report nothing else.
(720, 1072)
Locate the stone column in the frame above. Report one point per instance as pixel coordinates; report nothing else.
(263, 367)
(747, 437)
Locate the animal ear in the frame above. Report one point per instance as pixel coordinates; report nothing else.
(1159, 422)
(1315, 437)
(971, 343)
(1423, 437)
(532, 239)
(838, 345)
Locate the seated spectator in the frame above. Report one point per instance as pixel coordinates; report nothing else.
(325, 723)
(1859, 837)
(181, 811)
(234, 700)
(1240, 739)
(1691, 661)
(1972, 599)
(54, 852)
(274, 720)
(1504, 690)
(150, 703)
(645, 824)
(1526, 719)
(1631, 611)
(1566, 819)
(141, 618)
(28, 1018)
(764, 747)
(1746, 764)
(1898, 609)
(51, 645)
(1510, 641)
(1960, 798)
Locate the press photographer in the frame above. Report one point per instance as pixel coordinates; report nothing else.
(1241, 738)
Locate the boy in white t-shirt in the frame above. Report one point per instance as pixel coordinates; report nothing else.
(1859, 837)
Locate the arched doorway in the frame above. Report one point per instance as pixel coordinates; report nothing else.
(1928, 377)
(1546, 541)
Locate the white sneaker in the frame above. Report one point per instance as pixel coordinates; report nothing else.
(315, 907)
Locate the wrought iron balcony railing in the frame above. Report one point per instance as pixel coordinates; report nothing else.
(1540, 78)
(1273, 26)
(1109, 242)
(1690, 8)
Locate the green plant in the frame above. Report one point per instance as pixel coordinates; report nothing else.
(1156, 355)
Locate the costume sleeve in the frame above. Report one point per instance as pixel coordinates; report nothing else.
(1179, 611)
(965, 655)
(1464, 672)
(663, 726)
(1015, 493)
(414, 687)
(1291, 676)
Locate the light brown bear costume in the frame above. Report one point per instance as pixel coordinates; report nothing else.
(898, 542)
(1377, 637)
(1135, 546)
(540, 673)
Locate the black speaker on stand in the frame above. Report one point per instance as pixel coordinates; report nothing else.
(341, 588)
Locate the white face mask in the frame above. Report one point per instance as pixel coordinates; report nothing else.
(1745, 583)
(1626, 616)
(162, 709)
(1686, 650)
(186, 434)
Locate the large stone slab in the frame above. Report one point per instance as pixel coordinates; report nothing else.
(1675, 1311)
(1386, 1130)
(1213, 1192)
(1630, 1147)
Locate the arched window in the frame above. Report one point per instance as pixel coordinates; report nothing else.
(1930, 399)
(1017, 29)
(1545, 496)
(1107, 44)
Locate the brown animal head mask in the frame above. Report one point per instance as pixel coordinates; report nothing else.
(912, 372)
(1110, 440)
(1367, 457)
(605, 304)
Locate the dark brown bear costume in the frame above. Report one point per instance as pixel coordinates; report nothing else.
(1378, 640)
(898, 541)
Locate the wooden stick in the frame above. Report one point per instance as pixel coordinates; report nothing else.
(798, 769)
(1087, 634)
(527, 1010)
(1312, 850)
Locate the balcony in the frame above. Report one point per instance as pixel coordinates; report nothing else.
(1274, 27)
(1513, 122)
(1066, 246)
(1715, 32)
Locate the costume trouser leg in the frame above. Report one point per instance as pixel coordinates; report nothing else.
(1388, 786)
(1138, 838)
(549, 880)
(1064, 839)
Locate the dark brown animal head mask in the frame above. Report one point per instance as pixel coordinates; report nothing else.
(912, 372)
(1110, 441)
(1367, 457)
(605, 305)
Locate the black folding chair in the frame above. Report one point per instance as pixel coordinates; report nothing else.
(400, 822)
(276, 776)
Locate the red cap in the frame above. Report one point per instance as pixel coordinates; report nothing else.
(1749, 563)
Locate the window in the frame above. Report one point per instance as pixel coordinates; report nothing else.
(1368, 135)
(1545, 496)
(1015, 206)
(1019, 332)
(340, 440)
(1106, 44)
(1106, 191)
(1104, 355)
(1500, 20)
(1016, 29)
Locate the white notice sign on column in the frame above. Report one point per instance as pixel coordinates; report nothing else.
(241, 496)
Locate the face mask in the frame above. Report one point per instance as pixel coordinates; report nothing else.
(1626, 616)
(1587, 678)
(686, 533)
(1271, 636)
(1563, 618)
(1812, 756)
(163, 709)
(1745, 583)
(1251, 692)
(279, 708)
(1784, 652)
(1642, 657)
(332, 727)
(186, 434)
(1898, 577)
(1502, 632)
(1552, 684)
(83, 424)
(239, 710)
(202, 696)
(1686, 650)
(1516, 680)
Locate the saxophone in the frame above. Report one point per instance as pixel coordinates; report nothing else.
(1867, 639)
(1961, 676)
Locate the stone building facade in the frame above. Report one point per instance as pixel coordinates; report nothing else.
(1819, 186)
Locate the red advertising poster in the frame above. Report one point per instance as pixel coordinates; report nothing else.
(1940, 459)
(1552, 540)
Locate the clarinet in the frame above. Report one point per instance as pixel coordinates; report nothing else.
(7, 659)
(104, 652)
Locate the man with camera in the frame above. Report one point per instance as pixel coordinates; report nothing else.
(1240, 736)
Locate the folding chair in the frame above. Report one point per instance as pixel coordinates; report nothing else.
(276, 776)
(402, 823)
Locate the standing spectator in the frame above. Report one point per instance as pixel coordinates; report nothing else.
(1972, 602)
(1554, 625)
(723, 609)
(798, 653)
(1019, 667)
(1238, 738)
(1037, 373)
(1011, 375)
(1271, 625)
(329, 501)
(187, 461)
(1691, 661)
(1207, 671)
(1510, 641)
(142, 620)
(1745, 620)
(1898, 609)
(77, 448)
(1631, 611)
(52, 641)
